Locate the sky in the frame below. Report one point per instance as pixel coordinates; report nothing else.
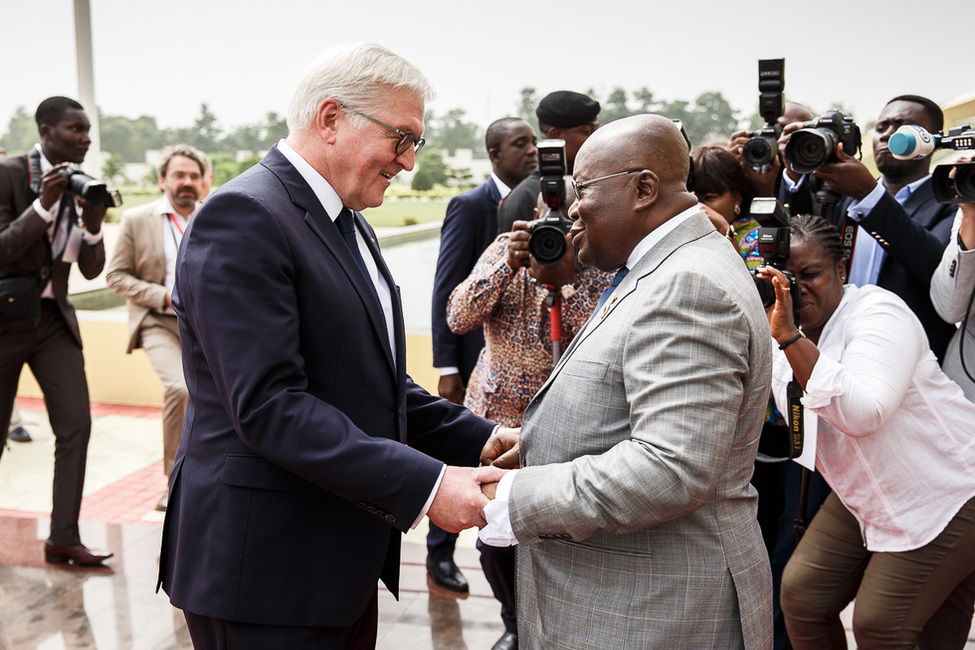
(243, 57)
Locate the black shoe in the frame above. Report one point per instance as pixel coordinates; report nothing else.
(19, 435)
(507, 642)
(446, 574)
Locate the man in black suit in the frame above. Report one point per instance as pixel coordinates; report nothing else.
(43, 230)
(902, 229)
(470, 224)
(564, 114)
(292, 484)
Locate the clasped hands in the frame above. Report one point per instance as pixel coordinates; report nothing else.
(464, 491)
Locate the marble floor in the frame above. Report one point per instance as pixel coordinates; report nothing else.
(50, 607)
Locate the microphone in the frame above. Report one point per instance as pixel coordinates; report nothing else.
(912, 142)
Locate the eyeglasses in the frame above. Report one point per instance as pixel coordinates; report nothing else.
(406, 140)
(578, 186)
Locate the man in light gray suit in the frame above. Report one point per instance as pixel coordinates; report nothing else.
(633, 510)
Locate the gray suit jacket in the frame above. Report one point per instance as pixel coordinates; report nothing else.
(951, 289)
(634, 513)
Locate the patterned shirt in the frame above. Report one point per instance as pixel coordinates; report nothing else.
(510, 305)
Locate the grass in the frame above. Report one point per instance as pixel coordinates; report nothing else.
(393, 212)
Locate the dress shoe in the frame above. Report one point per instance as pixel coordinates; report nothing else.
(507, 642)
(163, 501)
(446, 574)
(19, 435)
(79, 554)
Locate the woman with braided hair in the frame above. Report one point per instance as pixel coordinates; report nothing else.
(893, 431)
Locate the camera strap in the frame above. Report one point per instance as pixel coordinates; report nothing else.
(848, 236)
(34, 171)
(794, 394)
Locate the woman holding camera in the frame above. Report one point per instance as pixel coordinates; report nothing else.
(895, 442)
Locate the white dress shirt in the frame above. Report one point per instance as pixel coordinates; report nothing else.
(896, 438)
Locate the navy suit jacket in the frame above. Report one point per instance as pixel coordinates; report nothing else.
(292, 483)
(913, 237)
(470, 225)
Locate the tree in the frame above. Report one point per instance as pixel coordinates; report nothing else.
(21, 132)
(615, 106)
(113, 169)
(430, 170)
(526, 107)
(130, 138)
(453, 133)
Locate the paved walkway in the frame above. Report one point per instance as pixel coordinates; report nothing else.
(52, 607)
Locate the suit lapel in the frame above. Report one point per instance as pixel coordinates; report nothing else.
(691, 230)
(325, 230)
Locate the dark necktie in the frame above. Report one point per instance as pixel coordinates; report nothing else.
(346, 226)
(608, 291)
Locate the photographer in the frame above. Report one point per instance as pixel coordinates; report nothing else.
(509, 300)
(720, 185)
(951, 290)
(902, 229)
(40, 238)
(885, 423)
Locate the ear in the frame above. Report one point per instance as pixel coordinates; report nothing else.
(494, 154)
(648, 189)
(161, 181)
(45, 131)
(326, 120)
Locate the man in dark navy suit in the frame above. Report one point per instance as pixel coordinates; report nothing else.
(471, 223)
(292, 484)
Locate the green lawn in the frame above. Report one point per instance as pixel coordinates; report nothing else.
(392, 212)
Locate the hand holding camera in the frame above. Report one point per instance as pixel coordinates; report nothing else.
(53, 185)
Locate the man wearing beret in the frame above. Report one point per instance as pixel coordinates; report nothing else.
(563, 114)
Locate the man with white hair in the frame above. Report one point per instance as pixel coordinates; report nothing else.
(292, 484)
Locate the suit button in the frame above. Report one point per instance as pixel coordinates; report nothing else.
(362, 505)
(371, 510)
(391, 519)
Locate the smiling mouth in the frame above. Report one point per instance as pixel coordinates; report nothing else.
(386, 175)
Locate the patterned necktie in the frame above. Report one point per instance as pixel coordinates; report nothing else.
(608, 291)
(346, 226)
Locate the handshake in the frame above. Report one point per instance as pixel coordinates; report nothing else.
(464, 491)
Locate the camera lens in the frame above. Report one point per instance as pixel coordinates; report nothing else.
(757, 152)
(809, 149)
(965, 183)
(547, 244)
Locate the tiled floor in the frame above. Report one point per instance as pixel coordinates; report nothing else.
(49, 607)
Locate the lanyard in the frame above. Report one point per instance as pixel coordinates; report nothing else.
(175, 223)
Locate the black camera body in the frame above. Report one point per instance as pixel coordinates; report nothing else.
(774, 239)
(762, 145)
(957, 189)
(90, 189)
(814, 145)
(546, 241)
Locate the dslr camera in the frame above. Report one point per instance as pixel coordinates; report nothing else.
(911, 142)
(762, 145)
(90, 189)
(814, 145)
(774, 238)
(546, 241)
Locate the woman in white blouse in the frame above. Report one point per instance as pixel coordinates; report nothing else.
(896, 442)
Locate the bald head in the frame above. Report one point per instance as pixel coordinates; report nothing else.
(649, 142)
(631, 177)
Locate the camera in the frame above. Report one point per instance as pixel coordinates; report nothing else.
(762, 145)
(774, 238)
(912, 142)
(814, 145)
(90, 189)
(546, 241)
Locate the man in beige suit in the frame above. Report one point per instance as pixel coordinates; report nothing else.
(142, 271)
(633, 512)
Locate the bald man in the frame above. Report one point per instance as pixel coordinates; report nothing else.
(633, 511)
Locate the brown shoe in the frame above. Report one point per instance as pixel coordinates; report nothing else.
(163, 501)
(79, 554)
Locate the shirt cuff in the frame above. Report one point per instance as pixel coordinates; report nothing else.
(498, 531)
(448, 370)
(47, 215)
(92, 239)
(862, 208)
(433, 493)
(824, 383)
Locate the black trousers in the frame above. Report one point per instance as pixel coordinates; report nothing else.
(56, 360)
(218, 634)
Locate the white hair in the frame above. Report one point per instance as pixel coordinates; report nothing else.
(360, 76)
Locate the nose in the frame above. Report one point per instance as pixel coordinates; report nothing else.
(407, 159)
(573, 212)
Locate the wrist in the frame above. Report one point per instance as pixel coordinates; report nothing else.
(786, 342)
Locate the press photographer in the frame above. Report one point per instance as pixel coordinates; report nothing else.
(894, 228)
(883, 419)
(43, 199)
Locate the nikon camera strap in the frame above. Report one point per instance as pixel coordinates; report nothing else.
(794, 395)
